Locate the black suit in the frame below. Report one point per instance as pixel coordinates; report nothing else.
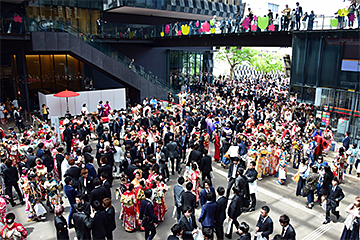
(59, 159)
(186, 227)
(234, 210)
(74, 173)
(332, 201)
(107, 169)
(205, 168)
(30, 161)
(61, 228)
(188, 199)
(169, 136)
(11, 177)
(85, 189)
(246, 236)
(98, 194)
(196, 156)
(220, 216)
(232, 179)
(251, 175)
(110, 222)
(289, 233)
(265, 226)
(68, 138)
(147, 210)
(107, 186)
(98, 225)
(172, 237)
(82, 231)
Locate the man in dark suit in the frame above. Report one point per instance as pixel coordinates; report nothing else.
(147, 210)
(188, 199)
(70, 193)
(98, 193)
(11, 177)
(80, 220)
(176, 232)
(110, 218)
(188, 223)
(30, 159)
(234, 210)
(68, 137)
(178, 191)
(220, 213)
(205, 166)
(184, 141)
(97, 222)
(169, 136)
(333, 198)
(59, 159)
(346, 142)
(74, 172)
(207, 216)
(85, 185)
(251, 175)
(207, 189)
(82, 131)
(232, 175)
(117, 127)
(265, 225)
(195, 155)
(99, 150)
(174, 154)
(288, 232)
(107, 136)
(105, 168)
(106, 184)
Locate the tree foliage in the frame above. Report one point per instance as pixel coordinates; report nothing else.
(251, 57)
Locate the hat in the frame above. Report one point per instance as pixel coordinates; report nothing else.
(106, 129)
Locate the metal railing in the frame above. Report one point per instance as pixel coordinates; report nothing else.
(32, 25)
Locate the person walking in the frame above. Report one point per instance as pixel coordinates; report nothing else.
(220, 213)
(205, 167)
(147, 216)
(251, 175)
(178, 191)
(351, 228)
(110, 218)
(335, 195)
(11, 178)
(208, 210)
(232, 175)
(188, 224)
(310, 186)
(234, 211)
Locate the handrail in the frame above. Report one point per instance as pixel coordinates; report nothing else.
(56, 25)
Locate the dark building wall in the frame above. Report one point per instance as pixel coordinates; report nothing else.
(153, 59)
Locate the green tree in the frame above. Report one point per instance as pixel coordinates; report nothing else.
(234, 56)
(268, 63)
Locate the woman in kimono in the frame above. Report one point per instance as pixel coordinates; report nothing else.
(217, 146)
(160, 198)
(128, 199)
(139, 193)
(351, 228)
(13, 230)
(152, 176)
(107, 109)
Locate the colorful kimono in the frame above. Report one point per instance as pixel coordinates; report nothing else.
(159, 199)
(15, 232)
(298, 153)
(2, 209)
(52, 188)
(128, 200)
(194, 176)
(139, 193)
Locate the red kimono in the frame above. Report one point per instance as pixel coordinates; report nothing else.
(217, 148)
(18, 230)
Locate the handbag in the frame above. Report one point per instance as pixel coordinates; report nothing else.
(297, 177)
(147, 221)
(212, 175)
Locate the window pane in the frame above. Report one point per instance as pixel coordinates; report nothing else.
(60, 72)
(33, 71)
(47, 71)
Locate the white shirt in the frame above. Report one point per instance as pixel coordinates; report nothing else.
(64, 166)
(234, 171)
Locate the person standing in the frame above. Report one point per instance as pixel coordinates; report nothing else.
(232, 175)
(188, 224)
(178, 191)
(265, 225)
(68, 137)
(45, 112)
(335, 195)
(346, 142)
(70, 193)
(205, 167)
(220, 213)
(251, 175)
(311, 21)
(310, 186)
(286, 13)
(298, 15)
(207, 216)
(11, 177)
(147, 216)
(62, 232)
(287, 232)
(99, 24)
(80, 219)
(234, 211)
(110, 218)
(351, 228)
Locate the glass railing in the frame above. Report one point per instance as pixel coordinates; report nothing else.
(59, 26)
(210, 27)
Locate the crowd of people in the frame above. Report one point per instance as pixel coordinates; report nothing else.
(256, 132)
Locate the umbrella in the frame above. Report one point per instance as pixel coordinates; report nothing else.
(66, 94)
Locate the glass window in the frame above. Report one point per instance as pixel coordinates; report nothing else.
(84, 20)
(74, 73)
(33, 71)
(60, 72)
(47, 72)
(273, 7)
